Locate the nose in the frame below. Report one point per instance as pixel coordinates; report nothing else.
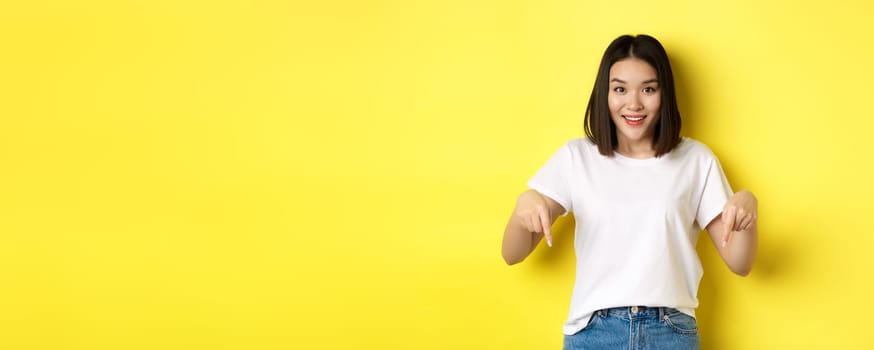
(634, 103)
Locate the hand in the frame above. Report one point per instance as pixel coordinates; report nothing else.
(739, 214)
(533, 212)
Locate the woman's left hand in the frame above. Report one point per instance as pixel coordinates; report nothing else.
(739, 214)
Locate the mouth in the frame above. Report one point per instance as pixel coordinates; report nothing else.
(634, 120)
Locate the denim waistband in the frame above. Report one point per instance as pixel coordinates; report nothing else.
(638, 312)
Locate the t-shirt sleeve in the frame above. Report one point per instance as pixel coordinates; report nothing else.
(552, 180)
(715, 194)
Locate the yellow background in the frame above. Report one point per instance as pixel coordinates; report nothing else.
(337, 174)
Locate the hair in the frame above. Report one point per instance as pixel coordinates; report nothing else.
(599, 126)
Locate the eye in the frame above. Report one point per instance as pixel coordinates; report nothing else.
(649, 89)
(619, 89)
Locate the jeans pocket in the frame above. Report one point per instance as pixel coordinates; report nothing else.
(596, 316)
(681, 323)
(584, 338)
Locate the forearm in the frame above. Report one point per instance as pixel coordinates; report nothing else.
(740, 251)
(735, 232)
(518, 241)
(531, 221)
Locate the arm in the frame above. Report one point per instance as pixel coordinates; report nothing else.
(531, 220)
(735, 232)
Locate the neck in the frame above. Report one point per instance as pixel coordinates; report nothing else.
(636, 149)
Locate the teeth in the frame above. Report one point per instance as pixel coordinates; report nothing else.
(634, 119)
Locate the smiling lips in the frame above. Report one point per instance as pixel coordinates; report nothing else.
(634, 120)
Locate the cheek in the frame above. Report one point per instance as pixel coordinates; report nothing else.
(615, 104)
(654, 103)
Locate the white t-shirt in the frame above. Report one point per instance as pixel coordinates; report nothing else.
(637, 223)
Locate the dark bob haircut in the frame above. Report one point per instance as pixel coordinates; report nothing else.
(598, 124)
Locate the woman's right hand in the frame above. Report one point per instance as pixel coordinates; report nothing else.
(531, 220)
(532, 211)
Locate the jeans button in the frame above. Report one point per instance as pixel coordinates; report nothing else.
(634, 309)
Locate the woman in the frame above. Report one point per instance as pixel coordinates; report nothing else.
(640, 195)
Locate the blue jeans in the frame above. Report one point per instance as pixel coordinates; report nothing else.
(636, 328)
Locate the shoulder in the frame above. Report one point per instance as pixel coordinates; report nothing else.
(580, 149)
(694, 149)
(581, 145)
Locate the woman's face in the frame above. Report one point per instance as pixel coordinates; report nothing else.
(634, 99)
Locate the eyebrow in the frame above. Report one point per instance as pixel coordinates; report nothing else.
(623, 81)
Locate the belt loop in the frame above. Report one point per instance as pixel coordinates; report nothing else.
(661, 313)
